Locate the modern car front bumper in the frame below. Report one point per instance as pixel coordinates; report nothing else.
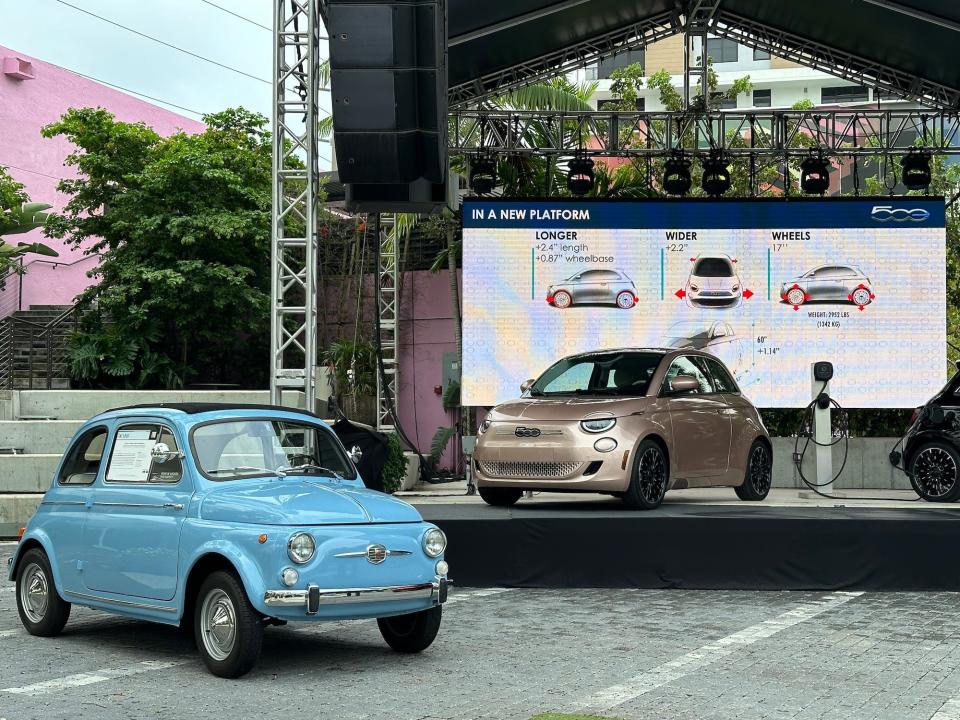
(313, 597)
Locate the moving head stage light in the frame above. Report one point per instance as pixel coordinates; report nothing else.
(915, 170)
(676, 175)
(815, 175)
(716, 175)
(580, 175)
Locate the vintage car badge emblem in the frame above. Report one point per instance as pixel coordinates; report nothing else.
(376, 554)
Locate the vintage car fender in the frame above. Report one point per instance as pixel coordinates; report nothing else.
(250, 573)
(38, 535)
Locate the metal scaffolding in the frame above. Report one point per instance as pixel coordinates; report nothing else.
(657, 134)
(388, 306)
(296, 169)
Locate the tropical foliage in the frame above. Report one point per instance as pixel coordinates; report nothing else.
(182, 225)
(17, 216)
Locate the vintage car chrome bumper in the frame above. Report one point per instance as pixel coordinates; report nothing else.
(313, 597)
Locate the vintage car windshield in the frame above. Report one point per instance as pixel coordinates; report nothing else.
(600, 374)
(234, 449)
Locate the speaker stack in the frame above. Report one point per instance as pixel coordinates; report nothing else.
(388, 80)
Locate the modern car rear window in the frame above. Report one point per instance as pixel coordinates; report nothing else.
(713, 267)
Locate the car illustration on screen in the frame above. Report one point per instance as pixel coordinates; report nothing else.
(628, 422)
(829, 283)
(713, 283)
(717, 338)
(594, 287)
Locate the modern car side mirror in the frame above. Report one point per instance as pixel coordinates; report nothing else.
(527, 384)
(161, 453)
(684, 384)
(356, 454)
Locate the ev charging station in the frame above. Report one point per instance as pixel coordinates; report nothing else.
(820, 375)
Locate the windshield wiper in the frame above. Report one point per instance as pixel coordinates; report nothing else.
(247, 469)
(313, 466)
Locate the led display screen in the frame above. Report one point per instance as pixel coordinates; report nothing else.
(769, 286)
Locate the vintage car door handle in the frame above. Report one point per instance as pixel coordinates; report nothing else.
(173, 506)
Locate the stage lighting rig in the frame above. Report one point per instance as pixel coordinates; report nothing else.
(580, 175)
(483, 174)
(676, 175)
(915, 170)
(716, 175)
(815, 175)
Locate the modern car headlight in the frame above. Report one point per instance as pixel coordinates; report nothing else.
(434, 542)
(300, 547)
(598, 425)
(695, 288)
(735, 288)
(484, 426)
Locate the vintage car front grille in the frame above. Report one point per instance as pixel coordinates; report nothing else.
(529, 469)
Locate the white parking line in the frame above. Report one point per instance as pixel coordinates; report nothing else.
(8, 633)
(50, 686)
(8, 588)
(950, 710)
(667, 672)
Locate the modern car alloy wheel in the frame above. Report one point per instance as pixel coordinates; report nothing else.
(562, 300)
(650, 475)
(759, 473)
(625, 300)
(933, 472)
(861, 296)
(796, 296)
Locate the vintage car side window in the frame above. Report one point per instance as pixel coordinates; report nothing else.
(131, 460)
(83, 461)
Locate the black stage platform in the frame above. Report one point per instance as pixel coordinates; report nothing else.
(755, 547)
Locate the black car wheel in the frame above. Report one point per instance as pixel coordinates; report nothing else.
(625, 300)
(42, 611)
(648, 483)
(759, 473)
(411, 633)
(935, 472)
(500, 497)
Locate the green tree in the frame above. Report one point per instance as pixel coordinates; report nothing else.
(18, 215)
(182, 225)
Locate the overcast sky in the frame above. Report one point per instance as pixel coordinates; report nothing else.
(52, 31)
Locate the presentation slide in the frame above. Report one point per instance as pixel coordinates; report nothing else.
(768, 286)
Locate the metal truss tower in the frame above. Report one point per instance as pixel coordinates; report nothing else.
(388, 306)
(296, 168)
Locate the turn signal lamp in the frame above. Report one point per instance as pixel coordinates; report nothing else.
(20, 534)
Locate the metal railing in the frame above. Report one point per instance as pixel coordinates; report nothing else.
(32, 354)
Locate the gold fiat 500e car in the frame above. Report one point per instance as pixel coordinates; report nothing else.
(632, 423)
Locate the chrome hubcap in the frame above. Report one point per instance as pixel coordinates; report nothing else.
(652, 475)
(935, 471)
(218, 624)
(34, 591)
(760, 469)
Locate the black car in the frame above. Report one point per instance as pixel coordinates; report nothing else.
(931, 448)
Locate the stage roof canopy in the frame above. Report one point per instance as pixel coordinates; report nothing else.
(898, 45)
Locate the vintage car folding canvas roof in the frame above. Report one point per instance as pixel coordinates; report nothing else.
(201, 408)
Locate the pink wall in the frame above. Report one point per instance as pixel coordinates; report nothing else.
(25, 107)
(426, 333)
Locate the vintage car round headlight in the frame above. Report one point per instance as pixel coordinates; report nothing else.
(434, 542)
(300, 547)
(484, 426)
(598, 425)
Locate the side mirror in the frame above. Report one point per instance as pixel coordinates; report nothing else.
(355, 454)
(957, 364)
(527, 384)
(161, 453)
(684, 384)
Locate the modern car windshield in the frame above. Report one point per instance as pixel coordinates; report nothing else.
(713, 267)
(235, 449)
(600, 374)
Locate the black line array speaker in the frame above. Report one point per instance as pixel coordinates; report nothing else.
(388, 80)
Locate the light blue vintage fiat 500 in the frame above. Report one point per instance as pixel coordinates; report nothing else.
(225, 518)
